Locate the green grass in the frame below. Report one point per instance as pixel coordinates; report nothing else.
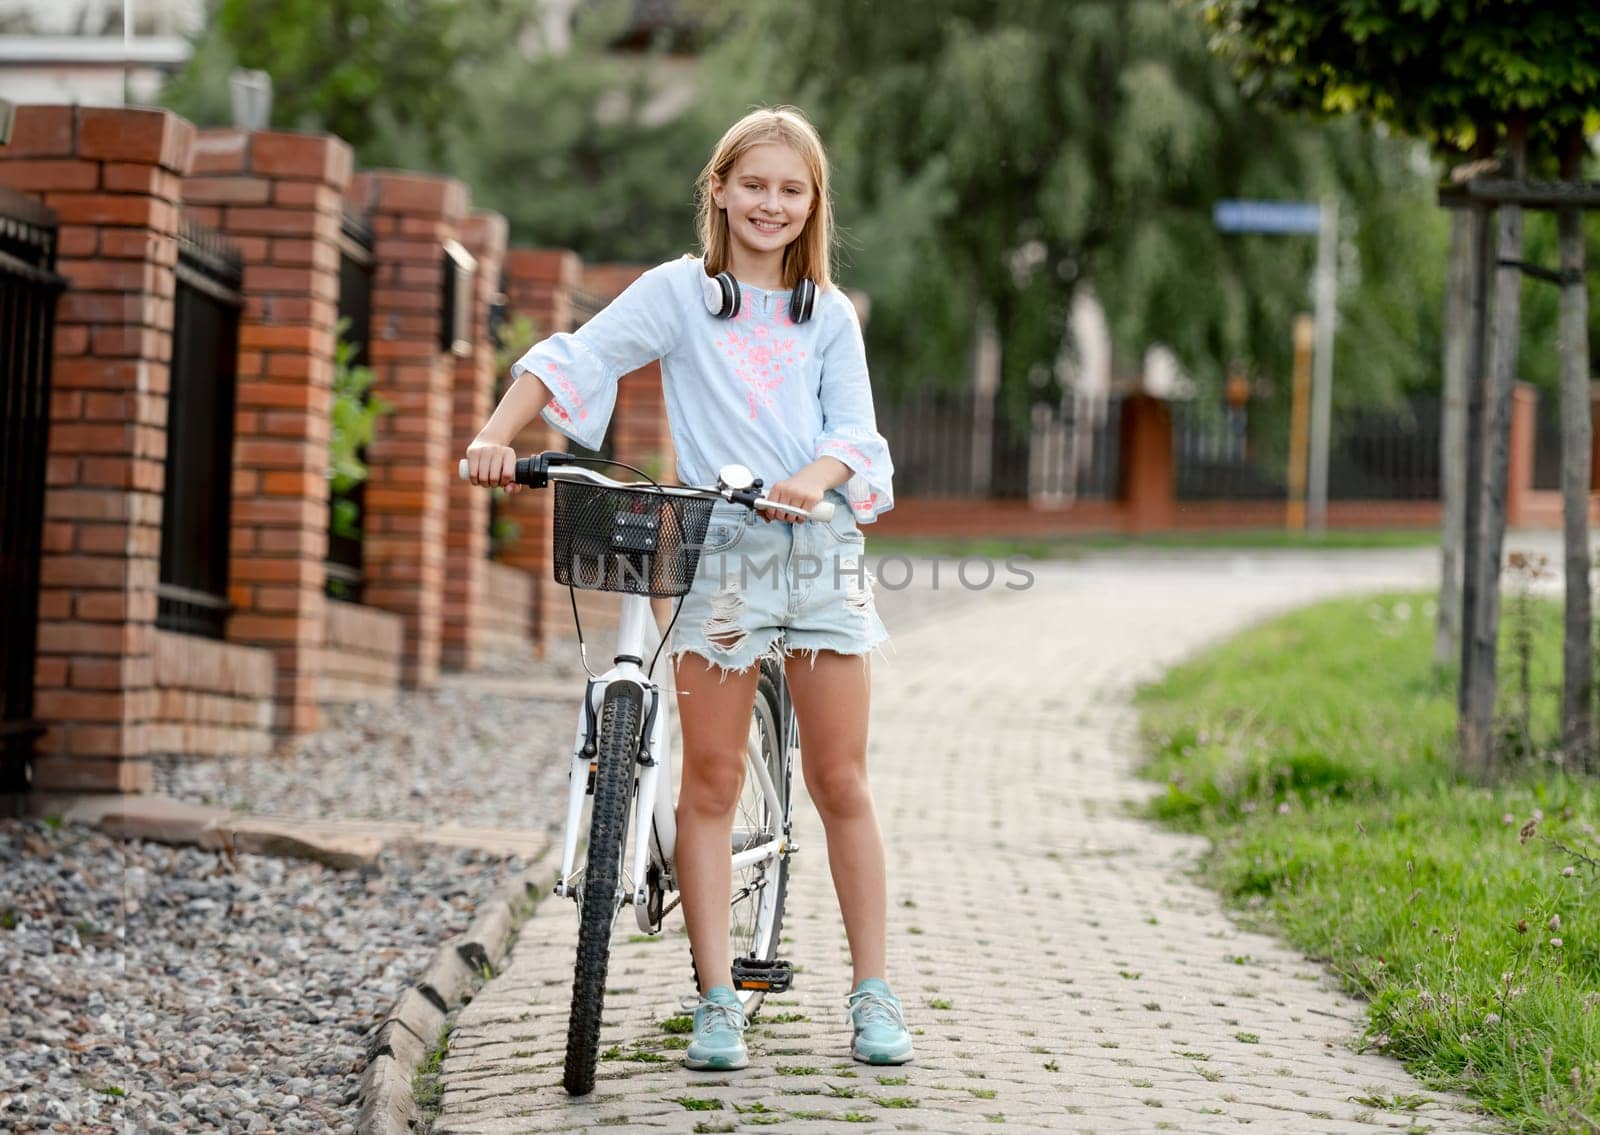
(427, 1084)
(1316, 752)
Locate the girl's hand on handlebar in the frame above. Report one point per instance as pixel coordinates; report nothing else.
(491, 464)
(799, 491)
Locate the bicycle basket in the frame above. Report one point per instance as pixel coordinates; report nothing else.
(631, 540)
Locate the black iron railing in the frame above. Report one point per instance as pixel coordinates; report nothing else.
(29, 287)
(1389, 453)
(1547, 441)
(193, 593)
(1386, 454)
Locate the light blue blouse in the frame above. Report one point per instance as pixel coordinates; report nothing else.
(758, 389)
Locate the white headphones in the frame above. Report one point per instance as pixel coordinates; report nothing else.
(724, 297)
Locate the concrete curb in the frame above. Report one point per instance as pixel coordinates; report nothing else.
(341, 844)
(405, 1037)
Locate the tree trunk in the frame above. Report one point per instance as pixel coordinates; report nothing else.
(1452, 439)
(1473, 741)
(1483, 634)
(1577, 717)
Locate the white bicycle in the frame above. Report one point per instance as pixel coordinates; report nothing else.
(643, 539)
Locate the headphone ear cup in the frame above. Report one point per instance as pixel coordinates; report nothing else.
(721, 294)
(803, 302)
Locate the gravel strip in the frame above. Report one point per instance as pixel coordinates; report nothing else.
(157, 989)
(452, 755)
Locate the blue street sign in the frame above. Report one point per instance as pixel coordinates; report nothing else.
(1267, 216)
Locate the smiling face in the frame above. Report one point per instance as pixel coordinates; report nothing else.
(768, 195)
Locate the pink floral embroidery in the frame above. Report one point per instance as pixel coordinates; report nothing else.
(762, 359)
(558, 410)
(559, 377)
(854, 453)
(865, 506)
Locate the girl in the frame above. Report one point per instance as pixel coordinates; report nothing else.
(754, 374)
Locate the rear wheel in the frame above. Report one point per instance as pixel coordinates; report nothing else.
(618, 746)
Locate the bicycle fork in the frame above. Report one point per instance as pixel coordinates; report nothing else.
(651, 808)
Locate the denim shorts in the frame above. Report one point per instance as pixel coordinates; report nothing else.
(772, 588)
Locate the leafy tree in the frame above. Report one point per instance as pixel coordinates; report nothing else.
(994, 155)
(370, 71)
(1456, 72)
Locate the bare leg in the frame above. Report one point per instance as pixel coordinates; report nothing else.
(715, 718)
(831, 702)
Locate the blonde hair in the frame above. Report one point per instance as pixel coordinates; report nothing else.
(810, 254)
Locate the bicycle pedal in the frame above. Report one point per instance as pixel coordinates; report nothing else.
(767, 976)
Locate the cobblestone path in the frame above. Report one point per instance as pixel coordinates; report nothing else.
(1064, 969)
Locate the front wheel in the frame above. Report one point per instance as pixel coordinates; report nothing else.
(618, 747)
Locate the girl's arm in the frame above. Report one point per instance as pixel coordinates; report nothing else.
(850, 437)
(490, 458)
(571, 378)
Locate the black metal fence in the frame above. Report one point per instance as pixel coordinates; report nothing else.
(193, 594)
(1214, 458)
(1547, 441)
(943, 447)
(29, 287)
(344, 561)
(1386, 454)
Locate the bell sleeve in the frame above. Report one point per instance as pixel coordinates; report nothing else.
(849, 424)
(581, 368)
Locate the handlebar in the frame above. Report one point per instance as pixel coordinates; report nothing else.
(537, 471)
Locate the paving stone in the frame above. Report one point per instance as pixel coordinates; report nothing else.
(1085, 980)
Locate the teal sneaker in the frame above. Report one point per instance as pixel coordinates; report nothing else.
(881, 1034)
(717, 1045)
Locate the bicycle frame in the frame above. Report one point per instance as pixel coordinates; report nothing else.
(653, 769)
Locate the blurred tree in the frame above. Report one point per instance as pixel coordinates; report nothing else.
(993, 155)
(586, 133)
(366, 70)
(1458, 73)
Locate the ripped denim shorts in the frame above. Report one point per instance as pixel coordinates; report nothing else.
(772, 588)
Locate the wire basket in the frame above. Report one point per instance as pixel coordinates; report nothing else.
(636, 541)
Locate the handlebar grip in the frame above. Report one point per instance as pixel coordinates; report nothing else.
(823, 511)
(520, 471)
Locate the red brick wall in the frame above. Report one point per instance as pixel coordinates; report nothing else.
(505, 611)
(412, 460)
(213, 699)
(112, 177)
(361, 652)
(278, 197)
(539, 285)
(467, 621)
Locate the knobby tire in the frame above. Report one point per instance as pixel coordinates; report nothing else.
(617, 745)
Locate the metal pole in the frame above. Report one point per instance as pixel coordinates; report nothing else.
(1304, 334)
(1325, 290)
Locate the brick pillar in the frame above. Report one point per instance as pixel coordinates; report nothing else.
(278, 196)
(112, 176)
(1148, 473)
(638, 428)
(411, 459)
(1519, 474)
(539, 284)
(467, 554)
